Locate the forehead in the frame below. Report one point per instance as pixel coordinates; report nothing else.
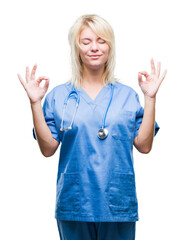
(87, 32)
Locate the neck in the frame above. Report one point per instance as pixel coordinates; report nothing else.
(92, 76)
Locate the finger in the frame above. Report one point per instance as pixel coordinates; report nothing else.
(46, 85)
(158, 69)
(140, 79)
(163, 76)
(152, 66)
(144, 73)
(40, 79)
(21, 81)
(27, 74)
(33, 72)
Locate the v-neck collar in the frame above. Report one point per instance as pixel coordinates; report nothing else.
(99, 96)
(92, 103)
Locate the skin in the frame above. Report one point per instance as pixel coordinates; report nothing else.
(94, 53)
(48, 145)
(143, 142)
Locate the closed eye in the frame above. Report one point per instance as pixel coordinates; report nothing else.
(100, 40)
(85, 43)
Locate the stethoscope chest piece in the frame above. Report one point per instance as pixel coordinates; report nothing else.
(102, 133)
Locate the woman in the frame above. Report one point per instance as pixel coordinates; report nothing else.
(97, 120)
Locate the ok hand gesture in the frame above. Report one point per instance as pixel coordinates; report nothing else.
(153, 81)
(32, 85)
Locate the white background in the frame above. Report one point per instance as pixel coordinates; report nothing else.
(36, 32)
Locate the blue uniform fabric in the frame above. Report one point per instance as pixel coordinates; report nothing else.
(96, 230)
(96, 180)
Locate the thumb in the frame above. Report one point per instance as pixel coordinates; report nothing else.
(140, 79)
(144, 73)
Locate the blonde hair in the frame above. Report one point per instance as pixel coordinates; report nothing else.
(102, 29)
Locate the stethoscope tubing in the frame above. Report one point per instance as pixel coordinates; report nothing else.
(75, 92)
(110, 100)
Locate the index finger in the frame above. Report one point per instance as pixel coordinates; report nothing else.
(33, 72)
(152, 66)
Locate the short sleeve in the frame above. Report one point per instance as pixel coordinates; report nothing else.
(139, 117)
(48, 111)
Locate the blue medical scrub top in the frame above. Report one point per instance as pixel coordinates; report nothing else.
(96, 180)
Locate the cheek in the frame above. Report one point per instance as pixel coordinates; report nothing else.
(83, 52)
(82, 56)
(106, 50)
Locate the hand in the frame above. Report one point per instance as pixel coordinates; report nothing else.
(32, 86)
(153, 81)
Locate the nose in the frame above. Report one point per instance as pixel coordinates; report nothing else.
(94, 46)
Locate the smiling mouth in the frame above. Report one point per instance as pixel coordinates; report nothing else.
(94, 56)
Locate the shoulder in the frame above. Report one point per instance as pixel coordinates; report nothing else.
(127, 97)
(122, 88)
(59, 90)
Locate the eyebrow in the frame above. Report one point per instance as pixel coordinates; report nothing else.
(85, 39)
(90, 38)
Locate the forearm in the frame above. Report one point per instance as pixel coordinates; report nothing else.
(143, 142)
(47, 143)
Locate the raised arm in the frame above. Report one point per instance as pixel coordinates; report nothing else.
(48, 145)
(143, 141)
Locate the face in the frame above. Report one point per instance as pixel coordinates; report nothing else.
(93, 51)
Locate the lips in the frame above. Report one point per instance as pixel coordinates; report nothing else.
(94, 56)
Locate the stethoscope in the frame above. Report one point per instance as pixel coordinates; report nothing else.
(102, 132)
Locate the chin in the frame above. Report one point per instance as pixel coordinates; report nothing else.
(95, 66)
